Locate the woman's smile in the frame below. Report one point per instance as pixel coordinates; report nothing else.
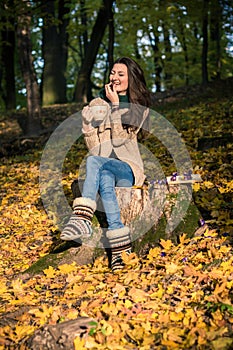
(119, 78)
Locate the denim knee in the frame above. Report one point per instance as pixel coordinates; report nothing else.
(91, 160)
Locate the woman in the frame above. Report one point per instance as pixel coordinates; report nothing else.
(115, 159)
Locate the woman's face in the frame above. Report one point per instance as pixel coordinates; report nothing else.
(119, 78)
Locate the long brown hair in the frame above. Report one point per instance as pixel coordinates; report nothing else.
(139, 95)
(137, 89)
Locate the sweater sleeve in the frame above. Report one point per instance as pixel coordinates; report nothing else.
(120, 135)
(92, 141)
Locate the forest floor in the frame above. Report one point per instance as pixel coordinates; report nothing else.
(178, 295)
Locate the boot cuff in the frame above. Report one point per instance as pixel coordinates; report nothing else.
(117, 233)
(83, 201)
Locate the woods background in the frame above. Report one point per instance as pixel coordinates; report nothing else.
(59, 51)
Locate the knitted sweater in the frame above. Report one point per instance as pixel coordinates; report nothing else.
(112, 137)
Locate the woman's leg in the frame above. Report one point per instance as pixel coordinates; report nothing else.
(112, 173)
(103, 174)
(95, 166)
(79, 224)
(118, 235)
(92, 178)
(108, 196)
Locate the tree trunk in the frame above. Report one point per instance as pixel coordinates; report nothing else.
(110, 49)
(215, 35)
(154, 41)
(205, 42)
(81, 88)
(185, 50)
(84, 37)
(111, 39)
(32, 125)
(7, 80)
(83, 43)
(168, 54)
(166, 63)
(55, 52)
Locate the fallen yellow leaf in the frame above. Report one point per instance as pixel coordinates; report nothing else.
(137, 295)
(79, 344)
(166, 244)
(171, 268)
(50, 272)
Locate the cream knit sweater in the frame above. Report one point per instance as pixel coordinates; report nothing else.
(111, 136)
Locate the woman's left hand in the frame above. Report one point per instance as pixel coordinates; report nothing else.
(87, 118)
(111, 93)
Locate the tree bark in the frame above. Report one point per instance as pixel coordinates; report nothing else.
(32, 125)
(205, 42)
(185, 49)
(215, 36)
(102, 20)
(7, 70)
(55, 52)
(111, 39)
(83, 40)
(166, 63)
(154, 41)
(168, 53)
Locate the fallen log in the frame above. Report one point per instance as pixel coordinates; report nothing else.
(60, 336)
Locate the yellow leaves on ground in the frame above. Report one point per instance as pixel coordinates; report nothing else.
(137, 295)
(79, 344)
(158, 293)
(170, 302)
(173, 337)
(24, 225)
(175, 297)
(153, 253)
(176, 316)
(171, 268)
(176, 300)
(166, 244)
(66, 268)
(15, 333)
(50, 272)
(43, 313)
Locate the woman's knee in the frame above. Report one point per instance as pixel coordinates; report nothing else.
(91, 159)
(92, 162)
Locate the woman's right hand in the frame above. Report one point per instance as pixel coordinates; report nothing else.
(87, 118)
(111, 93)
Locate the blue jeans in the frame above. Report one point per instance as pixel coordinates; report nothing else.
(103, 175)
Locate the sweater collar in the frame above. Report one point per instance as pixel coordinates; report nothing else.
(122, 98)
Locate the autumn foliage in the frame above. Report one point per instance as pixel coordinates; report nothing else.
(176, 297)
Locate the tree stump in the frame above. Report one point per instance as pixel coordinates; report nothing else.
(142, 207)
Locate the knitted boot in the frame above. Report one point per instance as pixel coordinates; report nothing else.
(79, 224)
(119, 241)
